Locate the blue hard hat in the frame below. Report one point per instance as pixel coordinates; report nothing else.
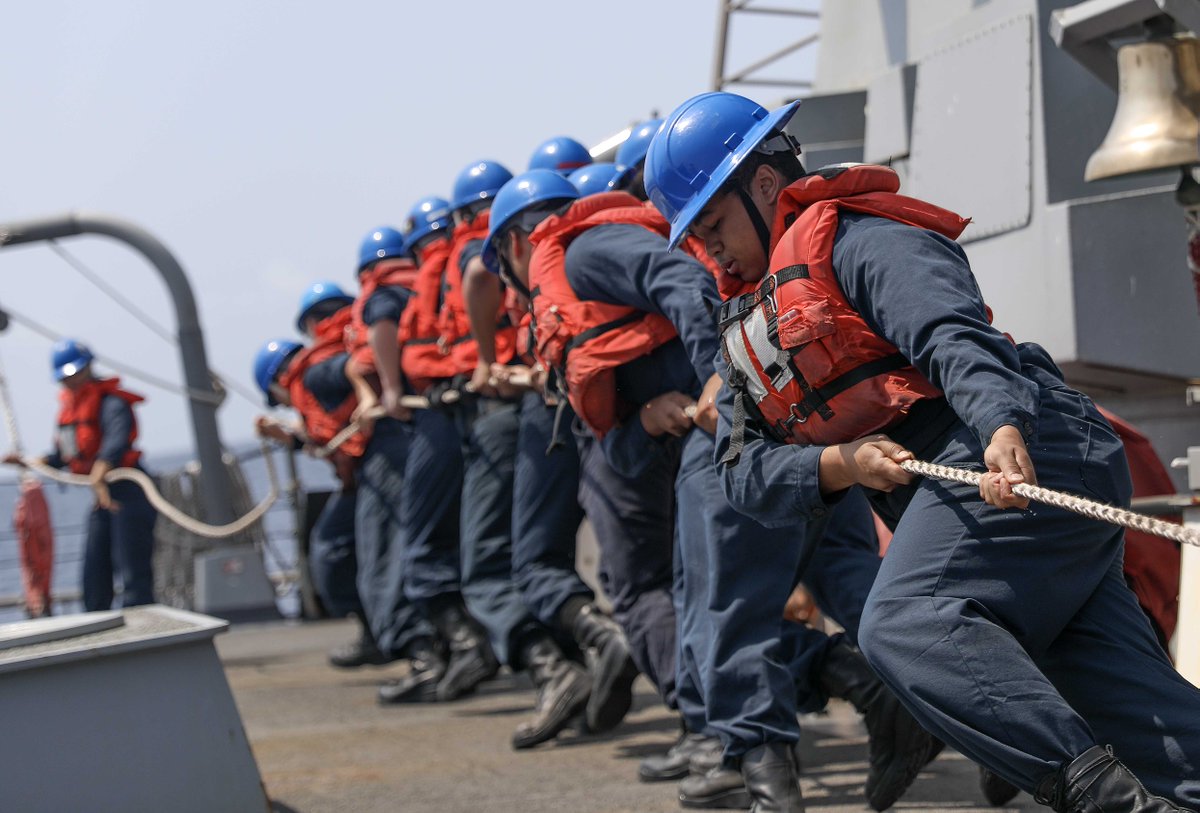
(522, 192)
(316, 294)
(379, 244)
(697, 149)
(633, 149)
(268, 362)
(561, 154)
(428, 215)
(479, 181)
(68, 357)
(600, 177)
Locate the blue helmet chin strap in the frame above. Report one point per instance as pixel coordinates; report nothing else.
(756, 218)
(781, 142)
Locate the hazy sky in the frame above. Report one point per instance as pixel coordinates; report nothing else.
(260, 140)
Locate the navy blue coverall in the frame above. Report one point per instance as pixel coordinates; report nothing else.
(378, 529)
(1009, 634)
(120, 541)
(733, 589)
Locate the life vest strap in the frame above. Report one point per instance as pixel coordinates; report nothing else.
(815, 400)
(591, 333)
(737, 432)
(736, 308)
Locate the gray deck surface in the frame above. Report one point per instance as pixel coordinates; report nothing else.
(322, 744)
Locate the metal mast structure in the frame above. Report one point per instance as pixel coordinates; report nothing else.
(788, 13)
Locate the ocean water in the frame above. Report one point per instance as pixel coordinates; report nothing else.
(70, 506)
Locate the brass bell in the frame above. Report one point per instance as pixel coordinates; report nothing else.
(1157, 123)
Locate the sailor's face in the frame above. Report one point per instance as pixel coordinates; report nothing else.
(77, 380)
(280, 393)
(730, 238)
(517, 252)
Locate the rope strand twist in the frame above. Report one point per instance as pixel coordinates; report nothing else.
(1059, 499)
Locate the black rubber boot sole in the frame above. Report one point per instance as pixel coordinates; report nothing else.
(911, 746)
(732, 799)
(406, 691)
(669, 774)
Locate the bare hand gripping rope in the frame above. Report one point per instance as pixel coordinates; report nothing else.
(406, 401)
(1059, 499)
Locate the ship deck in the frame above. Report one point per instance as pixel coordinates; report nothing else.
(322, 744)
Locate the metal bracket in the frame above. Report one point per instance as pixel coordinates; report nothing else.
(1083, 30)
(1192, 464)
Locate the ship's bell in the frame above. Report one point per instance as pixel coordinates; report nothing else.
(1157, 123)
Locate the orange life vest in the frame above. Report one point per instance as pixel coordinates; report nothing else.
(399, 271)
(800, 358)
(454, 324)
(79, 434)
(423, 357)
(319, 424)
(584, 342)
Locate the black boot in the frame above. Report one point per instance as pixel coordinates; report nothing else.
(562, 687)
(997, 791)
(604, 645)
(899, 747)
(471, 660)
(362, 652)
(1097, 782)
(771, 773)
(712, 783)
(675, 763)
(426, 667)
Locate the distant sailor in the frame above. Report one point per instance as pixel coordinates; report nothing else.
(96, 433)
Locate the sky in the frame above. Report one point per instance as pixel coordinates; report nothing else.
(261, 140)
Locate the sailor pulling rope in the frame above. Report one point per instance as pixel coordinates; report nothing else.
(139, 477)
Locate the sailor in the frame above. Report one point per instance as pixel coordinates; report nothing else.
(96, 434)
(636, 325)
(319, 386)
(333, 564)
(546, 515)
(434, 470)
(858, 339)
(633, 520)
(441, 350)
(386, 276)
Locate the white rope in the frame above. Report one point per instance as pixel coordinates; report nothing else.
(1088, 508)
(10, 414)
(164, 507)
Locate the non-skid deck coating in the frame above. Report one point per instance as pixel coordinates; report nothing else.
(323, 745)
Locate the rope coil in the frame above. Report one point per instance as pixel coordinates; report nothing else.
(1059, 499)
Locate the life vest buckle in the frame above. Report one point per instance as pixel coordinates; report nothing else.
(443, 346)
(797, 413)
(735, 309)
